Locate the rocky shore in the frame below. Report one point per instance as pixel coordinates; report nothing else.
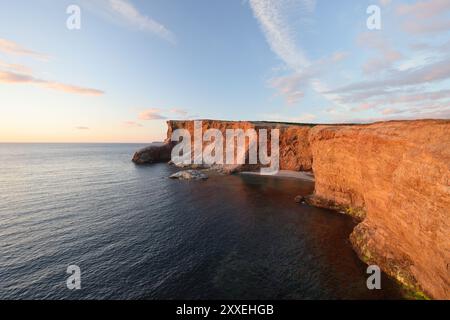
(393, 176)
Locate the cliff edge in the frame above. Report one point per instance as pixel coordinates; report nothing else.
(393, 176)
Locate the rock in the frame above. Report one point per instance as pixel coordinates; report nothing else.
(295, 151)
(189, 175)
(394, 175)
(155, 152)
(299, 199)
(192, 166)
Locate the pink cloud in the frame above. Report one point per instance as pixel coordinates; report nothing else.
(424, 9)
(288, 86)
(432, 72)
(387, 111)
(425, 16)
(151, 114)
(15, 68)
(9, 77)
(12, 47)
(363, 107)
(426, 26)
(291, 86)
(132, 124)
(180, 112)
(386, 55)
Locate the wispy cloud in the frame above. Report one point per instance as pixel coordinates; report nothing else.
(276, 19)
(152, 114)
(82, 128)
(432, 72)
(10, 77)
(125, 12)
(271, 15)
(306, 117)
(19, 68)
(291, 86)
(363, 107)
(180, 112)
(385, 54)
(441, 111)
(11, 47)
(427, 16)
(161, 114)
(132, 124)
(424, 9)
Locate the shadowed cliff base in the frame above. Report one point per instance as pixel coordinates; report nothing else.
(393, 175)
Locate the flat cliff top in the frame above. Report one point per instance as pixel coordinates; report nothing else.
(288, 124)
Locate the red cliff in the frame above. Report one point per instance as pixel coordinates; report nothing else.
(393, 176)
(396, 176)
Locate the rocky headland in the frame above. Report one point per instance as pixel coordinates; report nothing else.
(394, 177)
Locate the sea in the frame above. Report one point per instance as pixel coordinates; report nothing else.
(133, 233)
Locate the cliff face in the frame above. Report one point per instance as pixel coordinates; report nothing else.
(394, 176)
(295, 151)
(398, 173)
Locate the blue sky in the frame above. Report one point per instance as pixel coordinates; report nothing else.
(134, 64)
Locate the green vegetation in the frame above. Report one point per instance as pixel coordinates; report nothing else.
(358, 213)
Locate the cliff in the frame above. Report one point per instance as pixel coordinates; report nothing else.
(295, 152)
(393, 176)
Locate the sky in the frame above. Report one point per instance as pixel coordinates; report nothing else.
(132, 64)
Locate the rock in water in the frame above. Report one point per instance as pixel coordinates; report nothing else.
(189, 175)
(299, 199)
(155, 152)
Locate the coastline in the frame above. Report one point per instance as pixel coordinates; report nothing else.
(385, 174)
(301, 175)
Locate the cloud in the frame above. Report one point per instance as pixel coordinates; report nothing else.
(339, 56)
(429, 26)
(363, 107)
(425, 16)
(288, 86)
(424, 9)
(161, 114)
(420, 96)
(180, 112)
(423, 46)
(272, 17)
(385, 3)
(276, 19)
(386, 55)
(388, 111)
(418, 112)
(307, 117)
(9, 77)
(82, 128)
(132, 124)
(11, 47)
(432, 72)
(152, 114)
(15, 68)
(384, 61)
(124, 11)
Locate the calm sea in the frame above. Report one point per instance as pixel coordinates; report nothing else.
(136, 234)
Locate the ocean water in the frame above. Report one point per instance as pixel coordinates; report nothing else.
(135, 234)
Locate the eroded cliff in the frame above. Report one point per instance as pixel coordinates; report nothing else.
(393, 176)
(396, 176)
(295, 151)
